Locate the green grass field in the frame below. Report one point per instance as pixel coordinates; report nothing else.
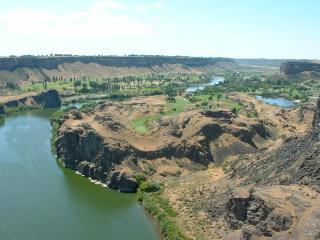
(141, 124)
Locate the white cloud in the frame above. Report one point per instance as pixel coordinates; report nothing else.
(142, 8)
(107, 4)
(96, 22)
(159, 5)
(145, 7)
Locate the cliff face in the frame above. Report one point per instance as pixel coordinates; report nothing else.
(112, 61)
(296, 67)
(48, 99)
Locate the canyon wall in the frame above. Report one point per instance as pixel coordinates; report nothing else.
(13, 63)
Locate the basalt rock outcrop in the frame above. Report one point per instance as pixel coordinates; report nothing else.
(48, 99)
(273, 212)
(102, 145)
(297, 67)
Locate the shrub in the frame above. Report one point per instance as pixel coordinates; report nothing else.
(163, 212)
(148, 187)
(140, 178)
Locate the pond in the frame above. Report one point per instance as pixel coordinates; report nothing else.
(280, 102)
(199, 87)
(42, 200)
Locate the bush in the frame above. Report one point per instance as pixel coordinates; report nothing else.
(163, 212)
(141, 178)
(148, 187)
(204, 103)
(55, 121)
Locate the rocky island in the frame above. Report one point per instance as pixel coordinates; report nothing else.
(46, 99)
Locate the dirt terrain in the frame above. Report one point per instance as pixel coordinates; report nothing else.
(272, 194)
(7, 98)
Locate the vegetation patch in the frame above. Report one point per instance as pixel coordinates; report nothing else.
(55, 121)
(20, 108)
(173, 107)
(150, 196)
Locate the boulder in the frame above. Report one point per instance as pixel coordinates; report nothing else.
(48, 99)
(218, 114)
(253, 211)
(12, 104)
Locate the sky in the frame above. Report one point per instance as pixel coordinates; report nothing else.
(208, 28)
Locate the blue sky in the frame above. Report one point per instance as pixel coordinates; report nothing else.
(228, 28)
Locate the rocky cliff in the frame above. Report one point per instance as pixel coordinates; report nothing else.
(112, 61)
(296, 67)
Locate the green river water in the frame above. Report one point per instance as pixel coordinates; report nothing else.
(41, 200)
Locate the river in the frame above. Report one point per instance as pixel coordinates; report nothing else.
(278, 101)
(41, 200)
(200, 87)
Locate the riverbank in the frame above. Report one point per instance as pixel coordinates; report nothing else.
(150, 196)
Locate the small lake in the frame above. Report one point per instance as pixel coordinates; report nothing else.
(41, 200)
(280, 102)
(199, 87)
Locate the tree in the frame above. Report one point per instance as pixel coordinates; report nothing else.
(171, 91)
(103, 86)
(12, 85)
(84, 85)
(77, 83)
(93, 85)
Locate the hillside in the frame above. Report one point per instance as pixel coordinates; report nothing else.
(272, 194)
(35, 69)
